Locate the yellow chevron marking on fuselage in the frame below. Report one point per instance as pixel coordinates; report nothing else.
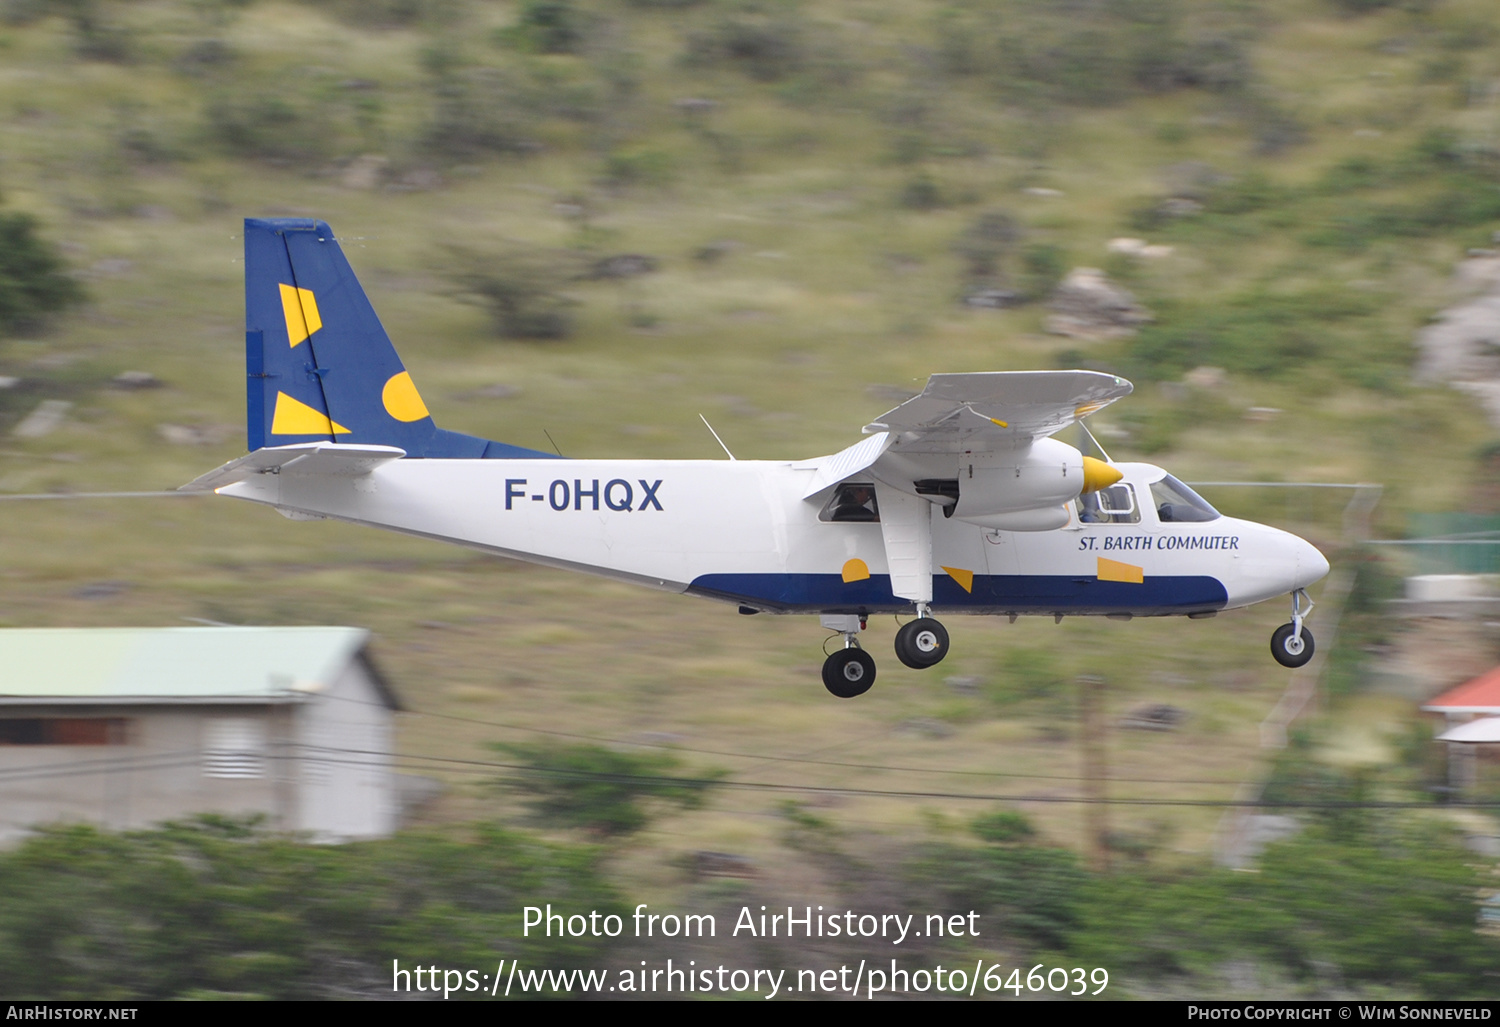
(301, 312)
(401, 399)
(856, 570)
(1114, 570)
(293, 417)
(963, 577)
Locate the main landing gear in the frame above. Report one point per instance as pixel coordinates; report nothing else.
(922, 643)
(850, 671)
(1292, 644)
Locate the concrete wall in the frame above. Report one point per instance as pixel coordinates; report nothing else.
(158, 774)
(319, 767)
(346, 775)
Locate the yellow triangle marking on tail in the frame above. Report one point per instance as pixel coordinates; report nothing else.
(1114, 570)
(963, 577)
(293, 417)
(301, 312)
(856, 570)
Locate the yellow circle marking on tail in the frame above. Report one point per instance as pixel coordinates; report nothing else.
(401, 399)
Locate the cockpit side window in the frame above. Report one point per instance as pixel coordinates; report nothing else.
(852, 501)
(1178, 504)
(1113, 505)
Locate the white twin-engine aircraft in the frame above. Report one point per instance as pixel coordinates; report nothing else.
(959, 501)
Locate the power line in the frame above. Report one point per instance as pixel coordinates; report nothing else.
(333, 754)
(705, 783)
(770, 758)
(96, 495)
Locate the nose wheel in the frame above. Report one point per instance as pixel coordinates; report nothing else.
(1292, 644)
(849, 672)
(922, 643)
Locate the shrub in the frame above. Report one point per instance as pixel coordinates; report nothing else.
(638, 167)
(385, 13)
(520, 287)
(600, 790)
(920, 193)
(477, 111)
(215, 908)
(546, 26)
(1034, 892)
(1257, 332)
(766, 46)
(94, 37)
(987, 242)
(1026, 674)
(1003, 827)
(33, 282)
(1043, 266)
(267, 125)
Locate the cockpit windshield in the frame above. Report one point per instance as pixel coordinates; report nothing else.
(1178, 504)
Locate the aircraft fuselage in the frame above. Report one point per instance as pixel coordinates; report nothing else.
(741, 531)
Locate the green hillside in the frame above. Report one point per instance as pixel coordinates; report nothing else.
(819, 187)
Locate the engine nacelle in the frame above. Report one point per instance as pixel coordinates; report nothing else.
(1022, 489)
(1047, 518)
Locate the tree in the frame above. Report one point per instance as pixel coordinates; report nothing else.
(520, 288)
(598, 789)
(33, 280)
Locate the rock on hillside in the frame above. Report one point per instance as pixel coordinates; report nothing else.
(1087, 305)
(1462, 344)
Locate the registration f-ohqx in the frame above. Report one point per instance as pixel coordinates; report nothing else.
(958, 501)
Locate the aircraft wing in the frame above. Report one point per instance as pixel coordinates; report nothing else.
(304, 458)
(835, 468)
(966, 411)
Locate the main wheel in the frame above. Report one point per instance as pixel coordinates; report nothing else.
(921, 644)
(849, 672)
(1289, 651)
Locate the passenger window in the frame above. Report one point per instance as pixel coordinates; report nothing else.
(1113, 505)
(852, 501)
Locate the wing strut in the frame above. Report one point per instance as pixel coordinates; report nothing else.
(906, 523)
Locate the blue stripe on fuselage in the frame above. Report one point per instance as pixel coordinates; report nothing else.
(999, 593)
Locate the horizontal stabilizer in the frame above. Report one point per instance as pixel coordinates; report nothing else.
(307, 458)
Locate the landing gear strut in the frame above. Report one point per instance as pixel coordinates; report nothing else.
(1292, 644)
(922, 643)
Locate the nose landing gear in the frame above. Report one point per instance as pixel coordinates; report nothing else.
(849, 671)
(1292, 644)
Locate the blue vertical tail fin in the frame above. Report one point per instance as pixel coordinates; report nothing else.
(319, 365)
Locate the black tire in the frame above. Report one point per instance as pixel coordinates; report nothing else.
(921, 644)
(1282, 645)
(849, 672)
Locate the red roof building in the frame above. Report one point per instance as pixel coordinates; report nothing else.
(1477, 697)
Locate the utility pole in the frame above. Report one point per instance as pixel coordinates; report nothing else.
(1095, 769)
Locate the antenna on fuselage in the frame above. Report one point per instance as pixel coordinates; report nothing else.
(716, 436)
